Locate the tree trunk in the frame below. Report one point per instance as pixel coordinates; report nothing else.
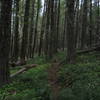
(42, 30)
(5, 33)
(84, 24)
(36, 26)
(71, 53)
(31, 32)
(25, 31)
(16, 36)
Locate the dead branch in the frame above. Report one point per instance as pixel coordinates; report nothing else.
(25, 68)
(89, 50)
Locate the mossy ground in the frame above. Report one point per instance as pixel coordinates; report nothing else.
(78, 82)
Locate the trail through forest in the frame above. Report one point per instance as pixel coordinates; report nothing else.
(49, 49)
(53, 78)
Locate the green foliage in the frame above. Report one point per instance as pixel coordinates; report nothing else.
(79, 82)
(38, 60)
(31, 85)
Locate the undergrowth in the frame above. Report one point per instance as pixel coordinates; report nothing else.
(78, 82)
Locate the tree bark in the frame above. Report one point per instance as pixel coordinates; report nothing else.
(25, 31)
(36, 27)
(31, 32)
(71, 53)
(16, 35)
(84, 24)
(5, 33)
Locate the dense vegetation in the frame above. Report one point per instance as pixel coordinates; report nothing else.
(49, 49)
(78, 82)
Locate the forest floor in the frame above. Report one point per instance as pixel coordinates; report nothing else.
(53, 77)
(53, 81)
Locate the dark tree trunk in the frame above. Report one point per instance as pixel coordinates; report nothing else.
(71, 53)
(64, 31)
(52, 30)
(36, 27)
(90, 26)
(97, 19)
(25, 31)
(76, 23)
(47, 27)
(84, 24)
(57, 19)
(31, 32)
(5, 33)
(16, 36)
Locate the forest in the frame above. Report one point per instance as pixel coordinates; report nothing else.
(49, 49)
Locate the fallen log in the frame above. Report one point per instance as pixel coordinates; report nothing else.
(89, 50)
(25, 68)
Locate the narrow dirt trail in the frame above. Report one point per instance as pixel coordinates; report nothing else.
(53, 77)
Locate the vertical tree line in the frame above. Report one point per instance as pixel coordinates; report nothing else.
(29, 28)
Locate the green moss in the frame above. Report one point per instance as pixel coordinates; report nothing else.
(84, 79)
